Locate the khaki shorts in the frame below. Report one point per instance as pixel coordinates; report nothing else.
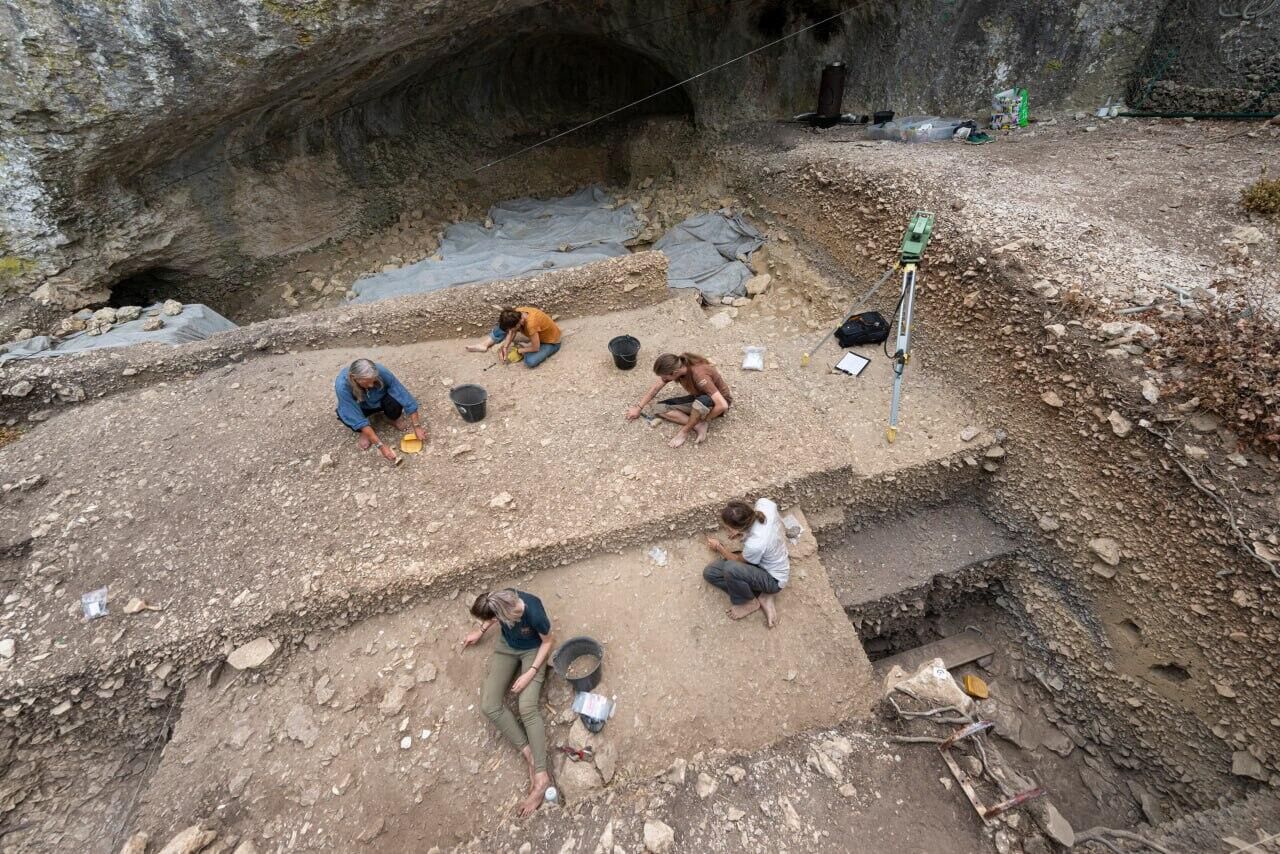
(687, 404)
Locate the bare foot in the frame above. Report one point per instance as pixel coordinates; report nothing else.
(678, 439)
(477, 348)
(701, 430)
(363, 442)
(403, 424)
(770, 610)
(737, 612)
(537, 791)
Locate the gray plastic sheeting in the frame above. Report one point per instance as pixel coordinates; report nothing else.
(708, 252)
(528, 236)
(195, 323)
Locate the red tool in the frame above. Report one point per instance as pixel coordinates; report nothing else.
(583, 755)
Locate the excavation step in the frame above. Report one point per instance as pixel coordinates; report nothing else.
(954, 651)
(375, 732)
(906, 552)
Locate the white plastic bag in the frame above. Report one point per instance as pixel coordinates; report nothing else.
(754, 360)
(94, 603)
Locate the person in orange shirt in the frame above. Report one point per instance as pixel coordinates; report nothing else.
(540, 335)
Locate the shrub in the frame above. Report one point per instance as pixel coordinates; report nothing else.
(1262, 197)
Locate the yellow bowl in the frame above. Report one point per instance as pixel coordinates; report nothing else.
(410, 444)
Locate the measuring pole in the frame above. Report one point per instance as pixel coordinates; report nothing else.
(914, 241)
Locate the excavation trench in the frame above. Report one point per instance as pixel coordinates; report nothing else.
(1113, 705)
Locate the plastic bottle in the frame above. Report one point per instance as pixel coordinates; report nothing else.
(552, 796)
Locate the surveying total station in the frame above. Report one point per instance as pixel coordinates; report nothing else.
(914, 241)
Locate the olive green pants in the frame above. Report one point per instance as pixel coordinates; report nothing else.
(505, 665)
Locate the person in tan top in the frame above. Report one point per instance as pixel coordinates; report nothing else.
(708, 395)
(538, 332)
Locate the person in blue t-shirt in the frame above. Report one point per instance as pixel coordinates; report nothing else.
(523, 648)
(365, 388)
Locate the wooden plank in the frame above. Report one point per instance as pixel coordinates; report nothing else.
(954, 651)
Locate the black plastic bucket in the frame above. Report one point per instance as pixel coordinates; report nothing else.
(624, 349)
(882, 116)
(469, 400)
(574, 648)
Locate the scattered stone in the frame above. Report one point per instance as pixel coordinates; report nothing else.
(1224, 689)
(1238, 460)
(736, 773)
(137, 606)
(1195, 452)
(848, 791)
(246, 847)
(393, 701)
(675, 774)
(8, 647)
(71, 325)
(1048, 524)
(1150, 391)
(171, 308)
(579, 778)
(720, 320)
(406, 742)
(995, 452)
(21, 388)
(128, 312)
(300, 725)
(501, 501)
(1052, 823)
(1204, 422)
(823, 763)
(1052, 399)
(1057, 330)
(189, 841)
(658, 837)
(136, 844)
(1120, 425)
(460, 450)
(25, 335)
(1244, 764)
(968, 434)
(706, 787)
(1102, 569)
(153, 324)
(129, 372)
(366, 499)
(239, 781)
(735, 815)
(790, 817)
(757, 285)
(326, 462)
(253, 654)
(1107, 549)
(607, 761)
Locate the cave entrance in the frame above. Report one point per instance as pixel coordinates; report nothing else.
(149, 286)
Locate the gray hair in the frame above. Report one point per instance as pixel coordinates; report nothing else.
(361, 369)
(502, 605)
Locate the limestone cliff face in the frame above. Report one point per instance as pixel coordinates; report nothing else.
(120, 117)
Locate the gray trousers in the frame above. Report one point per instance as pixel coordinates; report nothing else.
(742, 581)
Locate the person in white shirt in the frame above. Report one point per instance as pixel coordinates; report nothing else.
(753, 575)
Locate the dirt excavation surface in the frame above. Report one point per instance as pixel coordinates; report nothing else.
(313, 756)
(237, 503)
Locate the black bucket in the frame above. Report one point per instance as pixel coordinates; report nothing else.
(624, 349)
(469, 400)
(574, 648)
(882, 116)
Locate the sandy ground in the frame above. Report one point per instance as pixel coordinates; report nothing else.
(207, 497)
(313, 754)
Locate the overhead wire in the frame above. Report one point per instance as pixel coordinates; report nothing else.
(313, 240)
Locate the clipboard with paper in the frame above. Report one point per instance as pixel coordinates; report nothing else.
(852, 364)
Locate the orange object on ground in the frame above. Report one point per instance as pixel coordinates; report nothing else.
(975, 687)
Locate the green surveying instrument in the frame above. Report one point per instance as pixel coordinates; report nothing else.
(914, 241)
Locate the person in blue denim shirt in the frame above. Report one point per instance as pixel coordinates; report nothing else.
(365, 388)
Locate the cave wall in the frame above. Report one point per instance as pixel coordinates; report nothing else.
(119, 116)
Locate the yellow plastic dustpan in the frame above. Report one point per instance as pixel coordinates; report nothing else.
(513, 356)
(410, 444)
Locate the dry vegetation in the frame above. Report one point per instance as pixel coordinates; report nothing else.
(1230, 360)
(1262, 197)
